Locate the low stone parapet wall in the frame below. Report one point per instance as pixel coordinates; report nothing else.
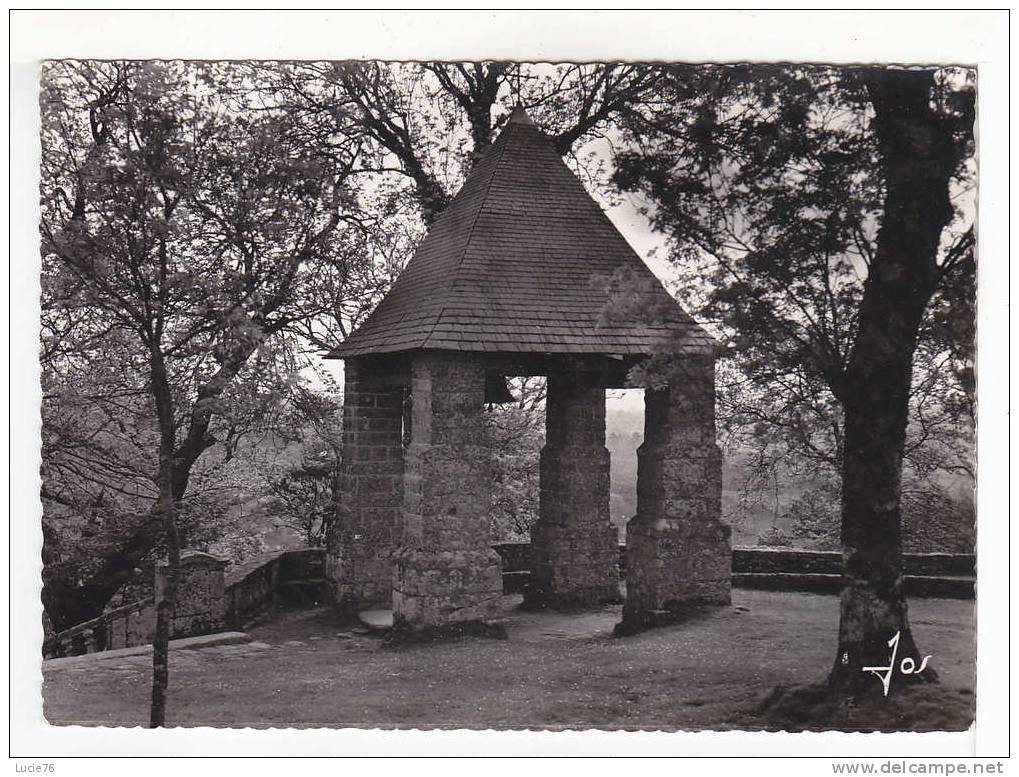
(211, 597)
(925, 574)
(265, 582)
(127, 626)
(789, 560)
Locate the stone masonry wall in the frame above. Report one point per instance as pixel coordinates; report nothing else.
(200, 607)
(678, 549)
(446, 573)
(574, 547)
(211, 598)
(370, 491)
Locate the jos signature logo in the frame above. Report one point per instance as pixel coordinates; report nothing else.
(906, 666)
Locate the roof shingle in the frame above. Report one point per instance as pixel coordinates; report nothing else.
(524, 261)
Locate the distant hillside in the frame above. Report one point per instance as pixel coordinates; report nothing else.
(256, 523)
(756, 512)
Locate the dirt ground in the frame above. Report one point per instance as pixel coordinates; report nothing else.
(749, 666)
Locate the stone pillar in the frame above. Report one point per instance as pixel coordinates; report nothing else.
(678, 550)
(118, 633)
(369, 492)
(446, 576)
(141, 626)
(201, 605)
(574, 547)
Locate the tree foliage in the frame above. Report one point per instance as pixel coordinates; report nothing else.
(766, 182)
(827, 210)
(207, 226)
(515, 434)
(197, 234)
(423, 125)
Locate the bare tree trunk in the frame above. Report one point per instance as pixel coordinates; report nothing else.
(167, 511)
(873, 606)
(919, 157)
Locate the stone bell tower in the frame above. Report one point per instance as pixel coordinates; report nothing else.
(523, 274)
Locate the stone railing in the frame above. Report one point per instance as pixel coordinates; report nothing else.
(127, 626)
(210, 597)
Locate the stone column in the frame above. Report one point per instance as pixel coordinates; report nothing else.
(678, 550)
(370, 490)
(201, 604)
(446, 576)
(574, 547)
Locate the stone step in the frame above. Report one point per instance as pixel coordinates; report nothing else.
(186, 643)
(376, 620)
(304, 581)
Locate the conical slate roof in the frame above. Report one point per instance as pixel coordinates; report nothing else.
(524, 261)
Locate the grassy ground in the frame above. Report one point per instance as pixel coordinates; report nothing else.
(720, 670)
